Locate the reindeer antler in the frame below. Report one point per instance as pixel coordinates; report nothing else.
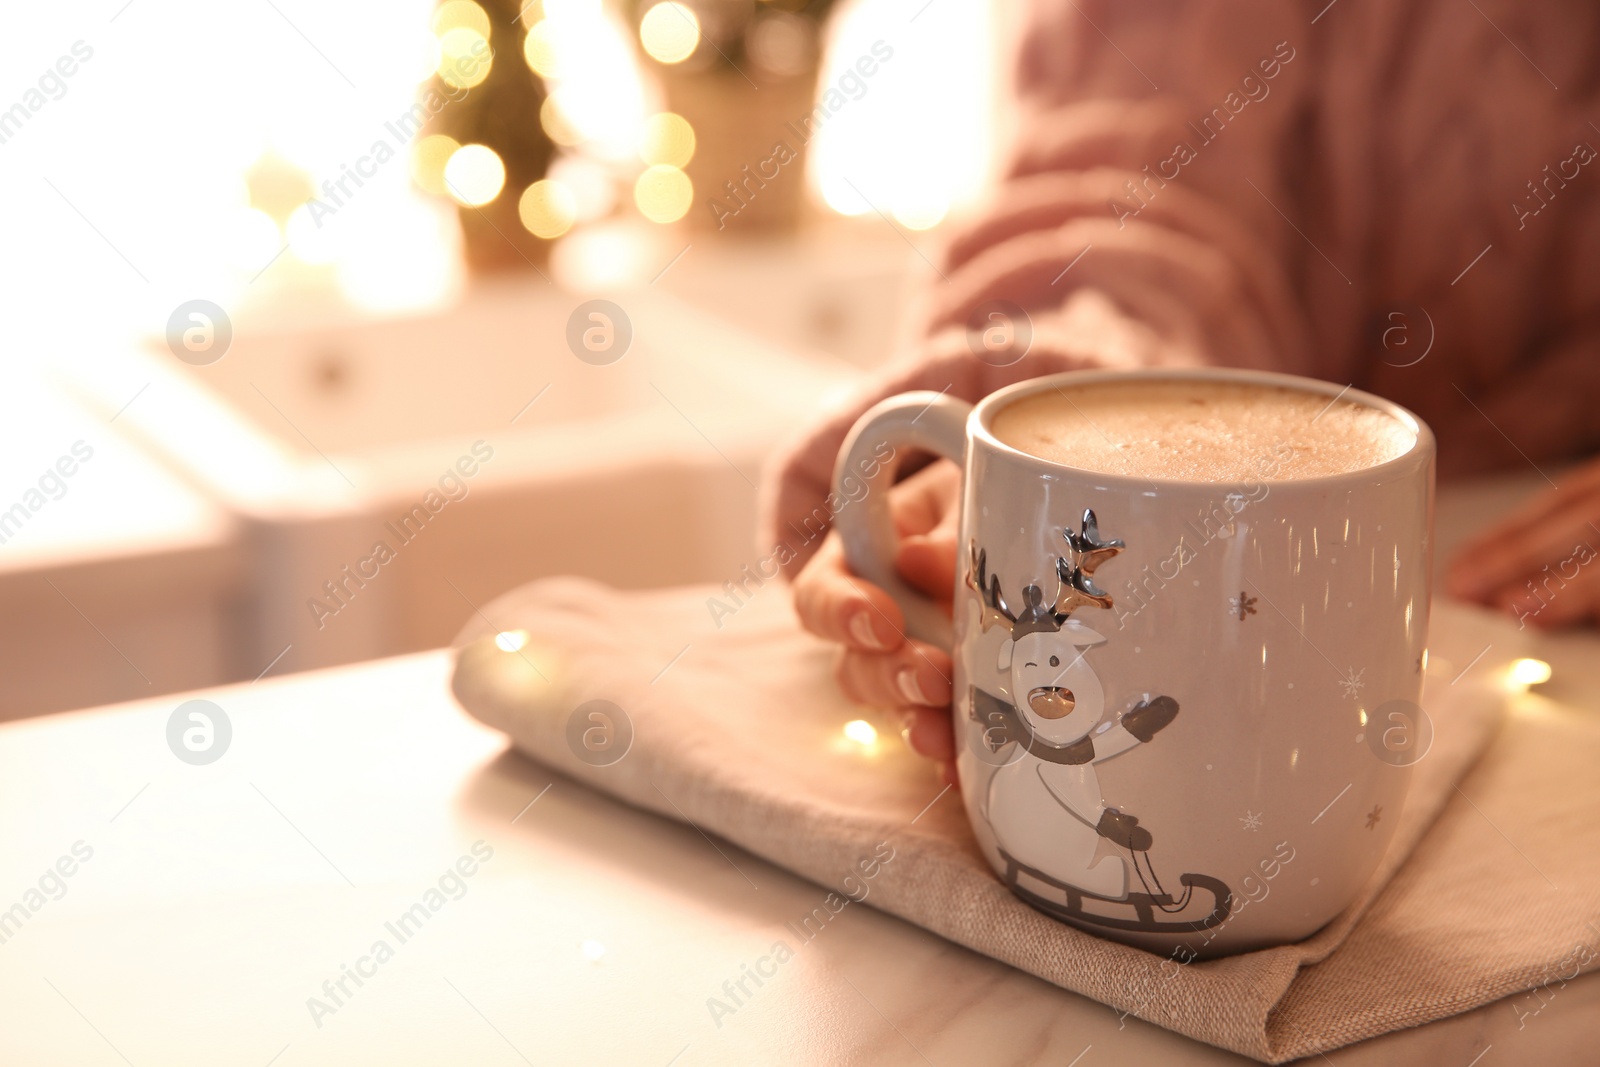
(1085, 553)
(987, 586)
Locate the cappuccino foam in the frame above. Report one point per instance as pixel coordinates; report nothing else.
(1201, 431)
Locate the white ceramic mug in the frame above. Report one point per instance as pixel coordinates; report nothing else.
(1231, 655)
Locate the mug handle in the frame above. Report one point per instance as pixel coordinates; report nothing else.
(923, 420)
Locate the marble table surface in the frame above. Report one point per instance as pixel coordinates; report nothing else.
(230, 912)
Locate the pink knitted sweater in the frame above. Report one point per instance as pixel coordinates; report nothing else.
(1400, 196)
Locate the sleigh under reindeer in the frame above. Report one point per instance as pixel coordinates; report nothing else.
(1151, 913)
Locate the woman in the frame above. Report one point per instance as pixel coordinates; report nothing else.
(1394, 196)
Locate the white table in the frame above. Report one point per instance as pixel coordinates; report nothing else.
(219, 898)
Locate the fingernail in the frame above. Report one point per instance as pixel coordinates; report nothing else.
(861, 629)
(908, 685)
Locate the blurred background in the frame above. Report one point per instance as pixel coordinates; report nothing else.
(329, 321)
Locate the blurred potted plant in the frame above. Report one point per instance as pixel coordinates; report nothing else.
(744, 75)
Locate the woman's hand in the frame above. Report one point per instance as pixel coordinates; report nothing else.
(879, 665)
(1540, 562)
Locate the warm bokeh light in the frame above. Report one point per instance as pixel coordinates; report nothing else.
(916, 132)
(255, 240)
(663, 193)
(312, 243)
(669, 32)
(861, 732)
(460, 14)
(560, 9)
(609, 254)
(240, 94)
(1526, 672)
(400, 257)
(276, 186)
(425, 51)
(596, 95)
(474, 175)
(511, 640)
(592, 950)
(602, 117)
(428, 157)
(925, 215)
(667, 139)
(591, 183)
(555, 122)
(464, 58)
(569, 42)
(548, 209)
(541, 48)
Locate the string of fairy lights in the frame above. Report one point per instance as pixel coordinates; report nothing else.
(594, 109)
(576, 134)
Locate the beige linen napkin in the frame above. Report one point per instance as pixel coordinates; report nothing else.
(737, 728)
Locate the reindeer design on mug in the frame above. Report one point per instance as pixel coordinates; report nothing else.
(1044, 804)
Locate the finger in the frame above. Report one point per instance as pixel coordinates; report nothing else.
(1522, 554)
(804, 466)
(929, 734)
(1542, 560)
(1577, 500)
(1478, 569)
(795, 490)
(837, 606)
(928, 561)
(1518, 603)
(1555, 604)
(793, 513)
(913, 675)
(923, 501)
(1554, 600)
(1509, 528)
